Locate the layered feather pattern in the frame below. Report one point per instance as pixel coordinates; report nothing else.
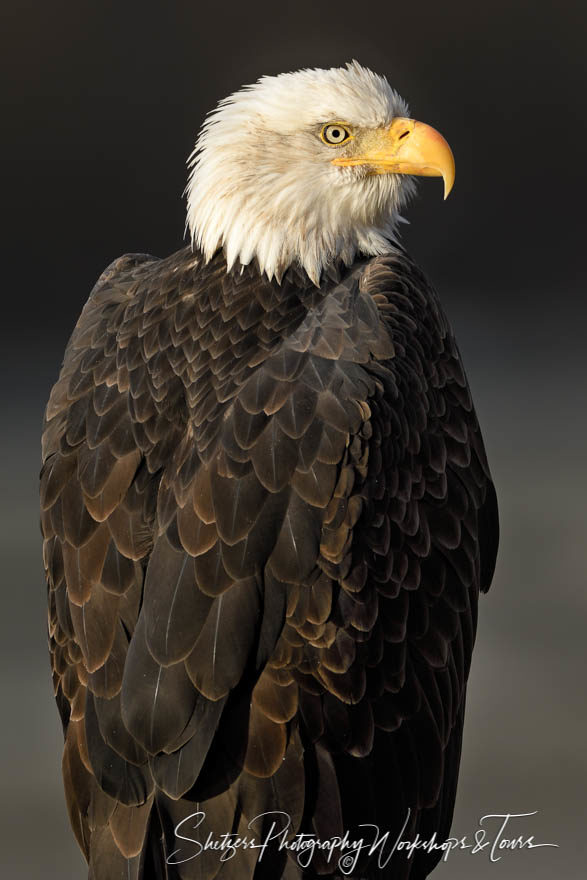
(267, 516)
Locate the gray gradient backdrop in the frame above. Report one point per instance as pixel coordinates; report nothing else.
(100, 105)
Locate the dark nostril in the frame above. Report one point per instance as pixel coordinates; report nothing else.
(403, 135)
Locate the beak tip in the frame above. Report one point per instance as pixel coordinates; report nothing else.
(448, 185)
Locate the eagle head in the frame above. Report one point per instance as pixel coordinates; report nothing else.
(308, 167)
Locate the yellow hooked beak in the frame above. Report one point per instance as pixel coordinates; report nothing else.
(406, 147)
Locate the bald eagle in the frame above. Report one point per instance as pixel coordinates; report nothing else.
(268, 513)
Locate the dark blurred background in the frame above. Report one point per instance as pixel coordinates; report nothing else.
(101, 103)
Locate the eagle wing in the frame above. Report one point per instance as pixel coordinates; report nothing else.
(267, 517)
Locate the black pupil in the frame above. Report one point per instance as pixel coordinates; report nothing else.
(335, 134)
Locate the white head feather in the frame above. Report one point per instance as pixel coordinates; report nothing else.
(262, 183)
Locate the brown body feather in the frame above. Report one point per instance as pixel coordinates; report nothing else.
(267, 516)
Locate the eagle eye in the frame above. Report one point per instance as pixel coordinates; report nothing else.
(334, 134)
